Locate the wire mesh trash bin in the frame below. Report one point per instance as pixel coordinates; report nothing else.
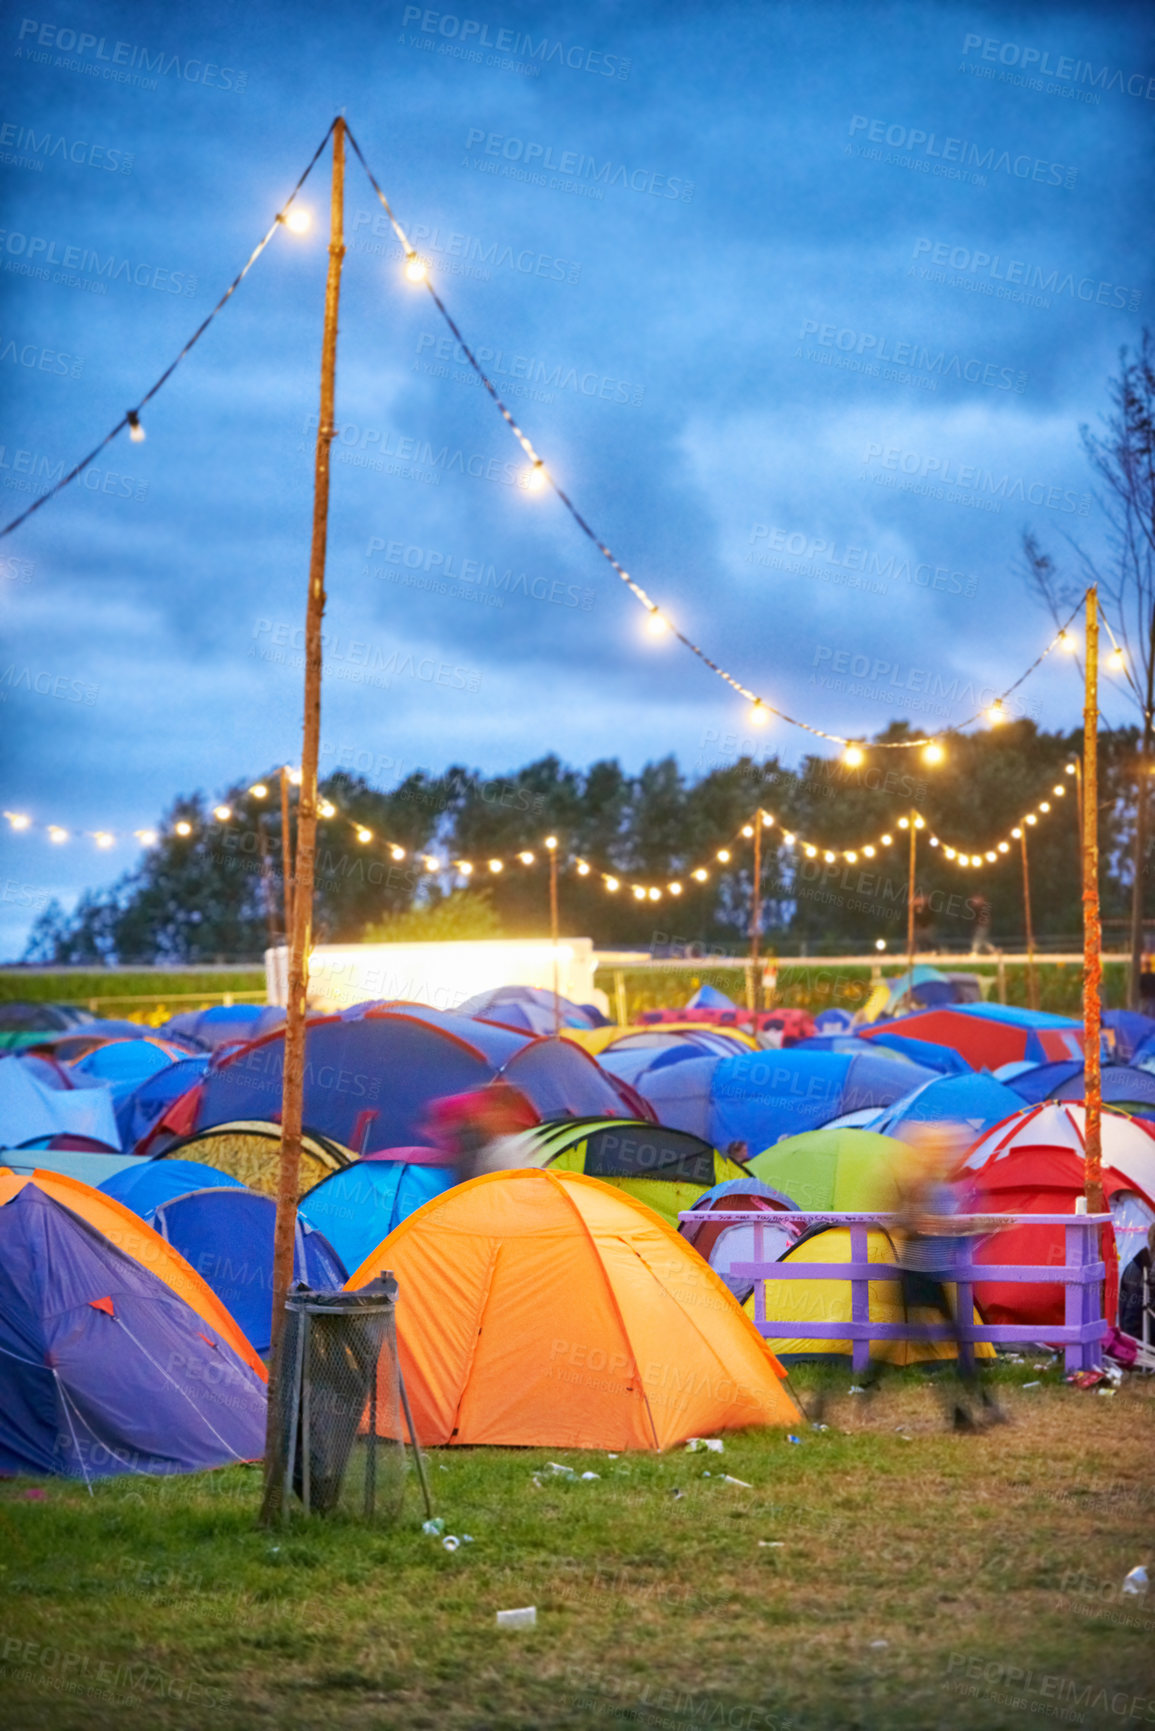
(341, 1402)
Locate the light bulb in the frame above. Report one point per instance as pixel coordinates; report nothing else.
(18, 819)
(887, 841)
(259, 790)
(612, 884)
(495, 865)
(1072, 769)
(397, 853)
(991, 854)
(880, 943)
(326, 809)
(995, 714)
(135, 430)
(1044, 805)
(811, 852)
(976, 859)
(299, 219)
(920, 823)
(904, 823)
(1060, 790)
(639, 893)
(414, 267)
(675, 889)
(829, 857)
(934, 841)
(363, 834)
(1018, 834)
(146, 837)
(949, 852)
(767, 820)
(432, 863)
(700, 875)
(868, 852)
(551, 842)
(933, 753)
(464, 867)
(1004, 847)
(853, 756)
(1068, 642)
(748, 830)
(655, 895)
(583, 869)
(103, 839)
(723, 855)
(534, 479)
(759, 714)
(1116, 659)
(183, 828)
(788, 837)
(222, 813)
(1031, 818)
(295, 777)
(851, 858)
(55, 833)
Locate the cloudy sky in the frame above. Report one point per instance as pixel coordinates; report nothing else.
(802, 305)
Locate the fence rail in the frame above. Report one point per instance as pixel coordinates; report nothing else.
(1083, 1328)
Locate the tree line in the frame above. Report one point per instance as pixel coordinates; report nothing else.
(217, 892)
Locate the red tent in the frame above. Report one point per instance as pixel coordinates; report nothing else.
(985, 1037)
(1037, 1180)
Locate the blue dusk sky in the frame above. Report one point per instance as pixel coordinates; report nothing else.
(803, 306)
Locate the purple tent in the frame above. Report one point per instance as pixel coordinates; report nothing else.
(103, 1368)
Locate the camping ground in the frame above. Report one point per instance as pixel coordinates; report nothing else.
(883, 1574)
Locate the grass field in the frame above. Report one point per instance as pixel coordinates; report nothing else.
(902, 1579)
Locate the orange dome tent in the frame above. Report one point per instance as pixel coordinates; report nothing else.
(129, 1233)
(542, 1308)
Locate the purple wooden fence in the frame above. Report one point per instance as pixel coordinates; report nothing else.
(1080, 1333)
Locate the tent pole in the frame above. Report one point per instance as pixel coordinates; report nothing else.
(1092, 932)
(292, 1099)
(553, 935)
(910, 915)
(1032, 974)
(286, 856)
(756, 911)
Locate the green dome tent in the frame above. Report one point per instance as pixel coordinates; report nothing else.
(849, 1171)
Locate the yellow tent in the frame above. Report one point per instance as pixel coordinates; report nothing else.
(830, 1301)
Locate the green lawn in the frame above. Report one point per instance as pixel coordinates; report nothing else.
(894, 1578)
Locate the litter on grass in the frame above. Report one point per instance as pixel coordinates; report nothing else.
(726, 1479)
(772, 1544)
(695, 1443)
(525, 1617)
(794, 1439)
(1135, 1582)
(1032, 1385)
(591, 1475)
(450, 1542)
(434, 1528)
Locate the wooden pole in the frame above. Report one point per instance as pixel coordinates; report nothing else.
(553, 938)
(756, 912)
(286, 856)
(292, 1098)
(1032, 973)
(910, 915)
(1092, 932)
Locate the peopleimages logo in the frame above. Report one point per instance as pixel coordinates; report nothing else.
(50, 144)
(1018, 279)
(471, 32)
(535, 159)
(934, 474)
(37, 255)
(121, 65)
(928, 361)
(1038, 60)
(962, 152)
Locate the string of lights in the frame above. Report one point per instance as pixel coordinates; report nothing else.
(612, 881)
(298, 221)
(539, 476)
